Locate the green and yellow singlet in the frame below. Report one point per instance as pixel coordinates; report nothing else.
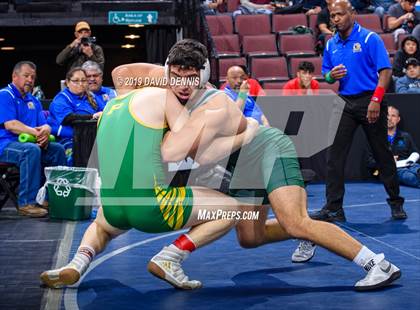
(133, 193)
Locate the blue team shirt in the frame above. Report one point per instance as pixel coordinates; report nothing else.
(251, 108)
(66, 103)
(364, 55)
(103, 95)
(13, 106)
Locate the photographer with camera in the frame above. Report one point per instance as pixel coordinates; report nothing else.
(82, 49)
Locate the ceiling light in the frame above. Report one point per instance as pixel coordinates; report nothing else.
(8, 48)
(2, 39)
(128, 46)
(136, 25)
(132, 36)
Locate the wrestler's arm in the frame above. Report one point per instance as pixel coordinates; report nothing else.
(132, 76)
(216, 118)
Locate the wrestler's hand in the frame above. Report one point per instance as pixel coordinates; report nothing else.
(338, 72)
(97, 115)
(374, 108)
(251, 130)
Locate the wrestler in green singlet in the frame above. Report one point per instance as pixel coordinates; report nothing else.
(133, 193)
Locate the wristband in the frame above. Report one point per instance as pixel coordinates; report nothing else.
(378, 94)
(242, 96)
(329, 79)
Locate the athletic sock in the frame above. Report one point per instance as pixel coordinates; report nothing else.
(82, 259)
(366, 258)
(185, 243)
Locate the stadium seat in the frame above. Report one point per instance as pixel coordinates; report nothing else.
(313, 24)
(259, 45)
(389, 42)
(269, 69)
(227, 45)
(232, 5)
(370, 21)
(273, 85)
(225, 63)
(283, 23)
(219, 24)
(291, 45)
(248, 25)
(294, 63)
(325, 85)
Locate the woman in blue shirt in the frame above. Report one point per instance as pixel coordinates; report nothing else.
(75, 102)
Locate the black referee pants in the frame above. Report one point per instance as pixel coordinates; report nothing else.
(354, 114)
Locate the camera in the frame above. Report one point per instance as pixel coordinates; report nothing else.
(87, 41)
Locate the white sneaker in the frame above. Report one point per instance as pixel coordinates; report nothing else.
(304, 252)
(166, 265)
(380, 273)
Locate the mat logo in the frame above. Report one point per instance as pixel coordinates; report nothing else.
(62, 183)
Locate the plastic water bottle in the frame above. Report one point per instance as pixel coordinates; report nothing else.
(93, 213)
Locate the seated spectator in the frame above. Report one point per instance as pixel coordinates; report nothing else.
(20, 112)
(82, 49)
(410, 83)
(308, 7)
(255, 89)
(382, 6)
(210, 6)
(254, 7)
(238, 90)
(74, 103)
(94, 76)
(404, 19)
(362, 6)
(304, 83)
(405, 152)
(409, 49)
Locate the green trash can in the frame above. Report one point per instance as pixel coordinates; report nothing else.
(71, 191)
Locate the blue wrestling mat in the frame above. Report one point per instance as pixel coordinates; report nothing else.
(262, 278)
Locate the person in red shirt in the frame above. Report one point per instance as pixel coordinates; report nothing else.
(255, 88)
(304, 83)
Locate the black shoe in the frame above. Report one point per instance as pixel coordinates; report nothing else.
(398, 212)
(328, 216)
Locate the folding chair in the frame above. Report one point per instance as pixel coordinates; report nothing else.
(9, 181)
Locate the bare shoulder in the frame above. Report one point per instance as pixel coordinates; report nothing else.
(148, 106)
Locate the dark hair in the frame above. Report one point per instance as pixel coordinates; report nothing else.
(393, 107)
(306, 66)
(188, 53)
(409, 38)
(411, 1)
(19, 65)
(70, 73)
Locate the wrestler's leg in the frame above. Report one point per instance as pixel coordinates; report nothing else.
(94, 241)
(289, 205)
(253, 233)
(166, 264)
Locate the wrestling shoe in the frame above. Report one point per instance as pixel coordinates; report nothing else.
(58, 278)
(166, 265)
(304, 252)
(398, 212)
(380, 273)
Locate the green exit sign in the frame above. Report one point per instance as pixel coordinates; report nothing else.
(132, 17)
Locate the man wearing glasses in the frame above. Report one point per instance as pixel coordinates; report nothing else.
(20, 112)
(82, 49)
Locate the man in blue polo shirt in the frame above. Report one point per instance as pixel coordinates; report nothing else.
(357, 58)
(237, 89)
(94, 75)
(20, 112)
